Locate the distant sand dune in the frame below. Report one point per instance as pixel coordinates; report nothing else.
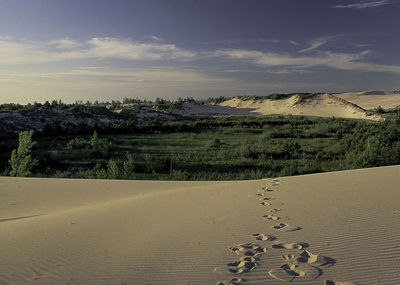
(372, 99)
(336, 228)
(321, 105)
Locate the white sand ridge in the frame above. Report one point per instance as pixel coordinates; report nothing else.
(321, 105)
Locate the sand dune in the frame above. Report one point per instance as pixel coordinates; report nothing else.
(336, 228)
(372, 99)
(322, 105)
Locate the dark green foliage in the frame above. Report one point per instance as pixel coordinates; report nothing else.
(77, 143)
(21, 161)
(217, 148)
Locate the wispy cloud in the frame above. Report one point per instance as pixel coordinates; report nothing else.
(314, 45)
(108, 83)
(155, 38)
(363, 4)
(275, 41)
(65, 43)
(288, 71)
(320, 41)
(341, 61)
(27, 52)
(221, 42)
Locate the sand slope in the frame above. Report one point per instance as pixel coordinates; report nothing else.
(372, 99)
(312, 229)
(322, 105)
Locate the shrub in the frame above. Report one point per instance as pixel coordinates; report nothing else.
(77, 143)
(21, 161)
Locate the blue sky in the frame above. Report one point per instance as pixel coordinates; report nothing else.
(111, 49)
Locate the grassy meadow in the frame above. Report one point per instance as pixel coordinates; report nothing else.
(214, 148)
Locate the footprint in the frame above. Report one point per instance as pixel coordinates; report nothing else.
(280, 226)
(233, 281)
(260, 194)
(264, 237)
(248, 249)
(308, 257)
(272, 218)
(294, 229)
(275, 182)
(291, 271)
(266, 189)
(276, 210)
(334, 282)
(265, 203)
(267, 199)
(289, 258)
(293, 245)
(243, 265)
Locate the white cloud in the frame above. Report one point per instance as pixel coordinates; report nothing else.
(363, 4)
(317, 42)
(275, 41)
(108, 84)
(342, 61)
(314, 44)
(288, 71)
(26, 52)
(64, 43)
(155, 38)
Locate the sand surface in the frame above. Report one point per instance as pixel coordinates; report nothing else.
(336, 228)
(322, 105)
(372, 99)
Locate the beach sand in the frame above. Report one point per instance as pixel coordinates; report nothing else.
(335, 228)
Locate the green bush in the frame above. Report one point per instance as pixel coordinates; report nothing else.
(21, 161)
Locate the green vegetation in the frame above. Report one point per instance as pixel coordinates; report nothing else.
(21, 161)
(214, 148)
(390, 114)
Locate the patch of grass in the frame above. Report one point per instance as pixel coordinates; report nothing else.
(222, 148)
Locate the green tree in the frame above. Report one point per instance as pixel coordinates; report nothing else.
(95, 141)
(21, 160)
(113, 170)
(129, 166)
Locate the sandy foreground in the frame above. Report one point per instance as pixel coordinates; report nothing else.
(334, 228)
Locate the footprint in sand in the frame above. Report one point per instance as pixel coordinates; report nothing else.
(315, 259)
(291, 271)
(287, 227)
(265, 203)
(233, 281)
(334, 282)
(271, 217)
(306, 266)
(293, 245)
(275, 182)
(267, 199)
(266, 189)
(280, 226)
(264, 237)
(276, 210)
(248, 249)
(293, 229)
(250, 253)
(243, 265)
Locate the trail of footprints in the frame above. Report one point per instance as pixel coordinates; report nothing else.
(303, 265)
